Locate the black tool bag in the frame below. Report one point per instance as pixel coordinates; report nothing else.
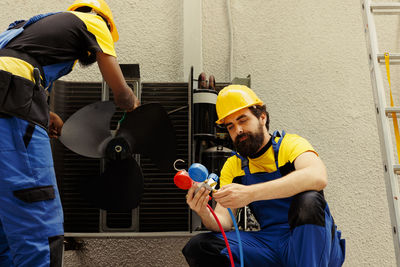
(24, 99)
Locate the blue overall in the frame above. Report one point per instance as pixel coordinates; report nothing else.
(31, 218)
(278, 243)
(30, 207)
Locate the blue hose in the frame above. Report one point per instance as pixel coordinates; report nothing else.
(238, 237)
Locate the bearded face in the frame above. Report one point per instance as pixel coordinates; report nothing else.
(248, 144)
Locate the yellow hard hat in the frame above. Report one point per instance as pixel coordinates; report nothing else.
(101, 7)
(233, 98)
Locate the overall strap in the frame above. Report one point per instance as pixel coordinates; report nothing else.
(276, 145)
(12, 30)
(245, 162)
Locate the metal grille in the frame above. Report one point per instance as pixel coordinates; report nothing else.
(163, 207)
(79, 215)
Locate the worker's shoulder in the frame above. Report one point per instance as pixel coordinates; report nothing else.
(62, 19)
(233, 161)
(58, 15)
(293, 145)
(231, 169)
(295, 142)
(293, 138)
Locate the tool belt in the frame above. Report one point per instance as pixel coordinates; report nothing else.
(21, 97)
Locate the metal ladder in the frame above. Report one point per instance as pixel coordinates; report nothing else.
(383, 111)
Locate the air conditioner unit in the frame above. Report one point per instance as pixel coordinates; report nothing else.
(163, 206)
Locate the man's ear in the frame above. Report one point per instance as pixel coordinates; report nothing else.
(263, 118)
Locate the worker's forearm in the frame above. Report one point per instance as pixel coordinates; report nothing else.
(111, 71)
(211, 224)
(289, 185)
(124, 99)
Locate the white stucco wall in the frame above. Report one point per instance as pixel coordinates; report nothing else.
(307, 60)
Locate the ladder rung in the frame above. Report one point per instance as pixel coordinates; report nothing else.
(396, 168)
(391, 110)
(393, 58)
(385, 8)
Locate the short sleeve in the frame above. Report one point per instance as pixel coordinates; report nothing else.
(293, 146)
(99, 37)
(230, 170)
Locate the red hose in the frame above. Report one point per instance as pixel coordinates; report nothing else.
(223, 234)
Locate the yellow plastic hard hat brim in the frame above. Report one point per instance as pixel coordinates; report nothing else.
(114, 33)
(221, 121)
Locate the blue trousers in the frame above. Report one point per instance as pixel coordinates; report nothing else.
(306, 245)
(308, 239)
(31, 218)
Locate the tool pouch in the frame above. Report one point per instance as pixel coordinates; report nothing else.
(23, 98)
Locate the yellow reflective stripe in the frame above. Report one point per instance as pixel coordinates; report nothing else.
(17, 67)
(76, 61)
(394, 115)
(98, 28)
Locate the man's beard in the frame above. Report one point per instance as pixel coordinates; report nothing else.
(251, 144)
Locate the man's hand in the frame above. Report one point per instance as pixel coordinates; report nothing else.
(136, 103)
(56, 124)
(198, 201)
(233, 196)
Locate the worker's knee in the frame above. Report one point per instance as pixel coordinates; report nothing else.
(205, 250)
(192, 248)
(307, 208)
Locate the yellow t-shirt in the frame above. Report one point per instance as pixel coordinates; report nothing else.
(291, 147)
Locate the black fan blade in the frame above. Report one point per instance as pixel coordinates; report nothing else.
(118, 189)
(149, 131)
(87, 131)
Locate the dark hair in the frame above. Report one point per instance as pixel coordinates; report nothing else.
(88, 58)
(85, 9)
(258, 110)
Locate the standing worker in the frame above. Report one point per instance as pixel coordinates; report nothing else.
(281, 178)
(33, 54)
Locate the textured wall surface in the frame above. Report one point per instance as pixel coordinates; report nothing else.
(307, 60)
